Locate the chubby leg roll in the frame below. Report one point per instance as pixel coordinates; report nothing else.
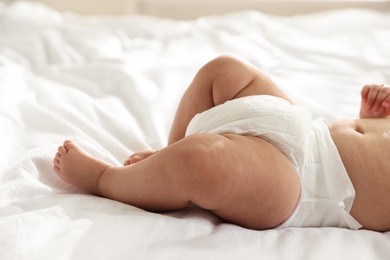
(244, 180)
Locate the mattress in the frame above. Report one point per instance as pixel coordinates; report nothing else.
(112, 84)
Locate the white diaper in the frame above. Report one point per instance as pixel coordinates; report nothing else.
(327, 193)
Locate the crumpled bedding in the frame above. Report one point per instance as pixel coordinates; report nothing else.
(112, 84)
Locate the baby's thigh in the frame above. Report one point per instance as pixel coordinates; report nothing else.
(263, 186)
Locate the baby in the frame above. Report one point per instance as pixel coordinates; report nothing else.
(239, 148)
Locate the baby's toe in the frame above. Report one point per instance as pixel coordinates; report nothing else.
(69, 145)
(61, 150)
(56, 162)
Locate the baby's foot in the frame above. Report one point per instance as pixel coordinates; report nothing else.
(139, 156)
(75, 166)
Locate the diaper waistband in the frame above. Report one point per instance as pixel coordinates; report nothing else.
(327, 193)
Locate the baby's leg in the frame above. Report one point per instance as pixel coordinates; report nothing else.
(244, 180)
(220, 80)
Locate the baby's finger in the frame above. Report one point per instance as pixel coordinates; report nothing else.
(383, 93)
(372, 95)
(365, 91)
(386, 100)
(387, 111)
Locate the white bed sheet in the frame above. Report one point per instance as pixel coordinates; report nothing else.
(113, 84)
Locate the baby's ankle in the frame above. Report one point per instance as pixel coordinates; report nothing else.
(102, 181)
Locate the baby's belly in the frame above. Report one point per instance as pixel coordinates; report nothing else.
(364, 147)
(363, 144)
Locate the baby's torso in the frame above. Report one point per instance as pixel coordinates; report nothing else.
(364, 147)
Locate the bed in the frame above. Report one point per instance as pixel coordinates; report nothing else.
(112, 84)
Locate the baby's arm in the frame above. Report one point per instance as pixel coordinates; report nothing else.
(375, 101)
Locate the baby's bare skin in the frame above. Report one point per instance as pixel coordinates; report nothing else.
(155, 185)
(242, 179)
(364, 146)
(229, 175)
(138, 156)
(77, 167)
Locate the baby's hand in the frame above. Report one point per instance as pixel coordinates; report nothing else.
(139, 156)
(375, 101)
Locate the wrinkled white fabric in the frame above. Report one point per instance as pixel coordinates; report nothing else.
(113, 84)
(327, 193)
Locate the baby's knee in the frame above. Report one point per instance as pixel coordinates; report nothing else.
(220, 65)
(196, 157)
(196, 150)
(229, 77)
